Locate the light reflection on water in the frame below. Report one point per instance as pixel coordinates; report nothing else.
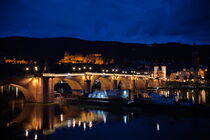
(37, 121)
(56, 121)
(196, 96)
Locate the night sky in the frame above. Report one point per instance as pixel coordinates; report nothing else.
(134, 21)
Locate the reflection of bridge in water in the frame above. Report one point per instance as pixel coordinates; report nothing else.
(47, 118)
(40, 88)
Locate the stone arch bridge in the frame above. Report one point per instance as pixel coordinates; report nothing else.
(40, 88)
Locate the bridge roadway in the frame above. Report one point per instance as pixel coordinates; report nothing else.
(40, 87)
(94, 74)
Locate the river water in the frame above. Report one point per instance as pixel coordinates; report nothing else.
(20, 120)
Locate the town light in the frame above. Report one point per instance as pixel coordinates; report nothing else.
(90, 68)
(74, 68)
(79, 68)
(107, 70)
(36, 68)
(84, 68)
(27, 68)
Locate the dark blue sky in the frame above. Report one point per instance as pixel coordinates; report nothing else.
(137, 21)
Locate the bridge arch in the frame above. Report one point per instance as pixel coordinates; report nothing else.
(140, 83)
(124, 83)
(27, 94)
(74, 85)
(106, 83)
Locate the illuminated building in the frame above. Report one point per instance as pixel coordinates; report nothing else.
(79, 58)
(160, 73)
(189, 74)
(16, 61)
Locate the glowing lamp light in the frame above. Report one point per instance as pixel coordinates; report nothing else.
(84, 126)
(79, 123)
(90, 68)
(79, 68)
(36, 68)
(27, 68)
(84, 68)
(69, 123)
(90, 124)
(35, 137)
(74, 123)
(61, 117)
(26, 133)
(74, 68)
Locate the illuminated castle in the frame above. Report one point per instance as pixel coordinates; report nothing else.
(79, 58)
(16, 61)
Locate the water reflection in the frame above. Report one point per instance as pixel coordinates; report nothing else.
(158, 127)
(48, 118)
(38, 121)
(35, 121)
(196, 96)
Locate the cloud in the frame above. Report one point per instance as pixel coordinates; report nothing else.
(141, 21)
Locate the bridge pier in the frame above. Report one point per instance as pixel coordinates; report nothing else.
(133, 87)
(48, 89)
(38, 89)
(2, 89)
(146, 84)
(87, 87)
(115, 84)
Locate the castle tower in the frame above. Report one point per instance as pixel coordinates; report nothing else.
(163, 69)
(156, 69)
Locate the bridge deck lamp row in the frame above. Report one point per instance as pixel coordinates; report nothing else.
(90, 73)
